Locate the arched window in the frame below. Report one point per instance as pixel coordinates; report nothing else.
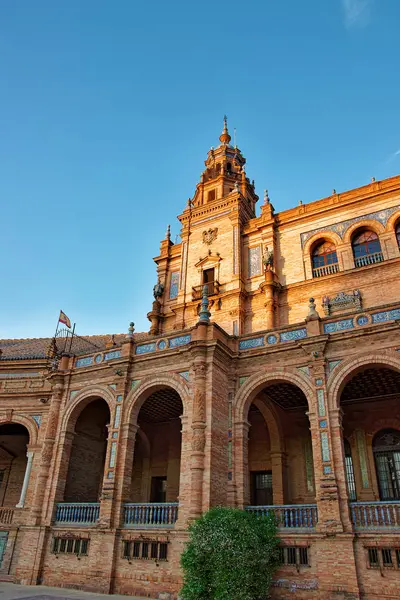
(398, 233)
(351, 482)
(366, 248)
(324, 259)
(386, 448)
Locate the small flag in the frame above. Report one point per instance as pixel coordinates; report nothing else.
(64, 319)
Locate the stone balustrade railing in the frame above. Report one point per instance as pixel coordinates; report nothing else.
(369, 259)
(77, 513)
(155, 514)
(289, 516)
(375, 515)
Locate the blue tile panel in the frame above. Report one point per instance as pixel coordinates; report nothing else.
(146, 348)
(363, 320)
(84, 362)
(296, 334)
(181, 340)
(251, 343)
(254, 261)
(174, 285)
(387, 315)
(341, 325)
(272, 339)
(113, 354)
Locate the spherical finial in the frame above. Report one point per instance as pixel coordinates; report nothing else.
(225, 138)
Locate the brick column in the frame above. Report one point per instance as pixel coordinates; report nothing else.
(278, 484)
(241, 462)
(47, 451)
(198, 437)
(326, 485)
(336, 429)
(185, 475)
(123, 470)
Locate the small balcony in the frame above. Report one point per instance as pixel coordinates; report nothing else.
(77, 513)
(289, 516)
(368, 259)
(212, 290)
(372, 516)
(325, 270)
(155, 514)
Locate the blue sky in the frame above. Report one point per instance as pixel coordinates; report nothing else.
(108, 109)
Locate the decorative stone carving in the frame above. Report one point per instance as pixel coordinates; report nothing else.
(342, 301)
(210, 235)
(198, 440)
(268, 259)
(158, 290)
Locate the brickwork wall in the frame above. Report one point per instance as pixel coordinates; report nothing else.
(13, 461)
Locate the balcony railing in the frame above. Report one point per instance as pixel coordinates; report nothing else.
(155, 514)
(212, 290)
(77, 513)
(325, 270)
(369, 259)
(375, 515)
(6, 515)
(289, 516)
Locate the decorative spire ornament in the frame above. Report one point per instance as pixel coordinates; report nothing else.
(131, 329)
(225, 138)
(204, 315)
(168, 233)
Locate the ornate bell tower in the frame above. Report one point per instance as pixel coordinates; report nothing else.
(213, 250)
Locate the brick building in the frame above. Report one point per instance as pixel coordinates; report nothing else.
(269, 380)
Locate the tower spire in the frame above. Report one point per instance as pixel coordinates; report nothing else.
(225, 138)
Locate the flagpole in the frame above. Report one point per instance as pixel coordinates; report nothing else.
(58, 322)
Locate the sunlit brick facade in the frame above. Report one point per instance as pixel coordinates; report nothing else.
(269, 380)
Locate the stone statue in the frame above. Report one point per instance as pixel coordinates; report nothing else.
(158, 290)
(268, 259)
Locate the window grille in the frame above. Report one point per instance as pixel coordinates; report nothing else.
(383, 558)
(351, 482)
(294, 556)
(373, 558)
(144, 550)
(78, 546)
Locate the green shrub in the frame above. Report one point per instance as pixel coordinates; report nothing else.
(231, 555)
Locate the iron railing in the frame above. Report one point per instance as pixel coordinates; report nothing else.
(212, 289)
(325, 270)
(155, 514)
(375, 515)
(368, 259)
(78, 513)
(289, 516)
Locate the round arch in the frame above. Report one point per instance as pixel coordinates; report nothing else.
(138, 396)
(346, 370)
(392, 220)
(29, 424)
(256, 383)
(272, 421)
(320, 237)
(81, 400)
(370, 224)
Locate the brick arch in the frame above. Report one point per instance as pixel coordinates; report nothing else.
(371, 224)
(273, 424)
(29, 424)
(256, 383)
(384, 423)
(392, 220)
(138, 396)
(321, 236)
(81, 400)
(348, 368)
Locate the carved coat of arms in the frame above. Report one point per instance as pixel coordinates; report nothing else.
(210, 235)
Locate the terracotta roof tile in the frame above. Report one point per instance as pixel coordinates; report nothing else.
(35, 348)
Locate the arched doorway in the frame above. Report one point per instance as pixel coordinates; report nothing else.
(280, 472)
(14, 439)
(154, 490)
(86, 461)
(370, 396)
(386, 450)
